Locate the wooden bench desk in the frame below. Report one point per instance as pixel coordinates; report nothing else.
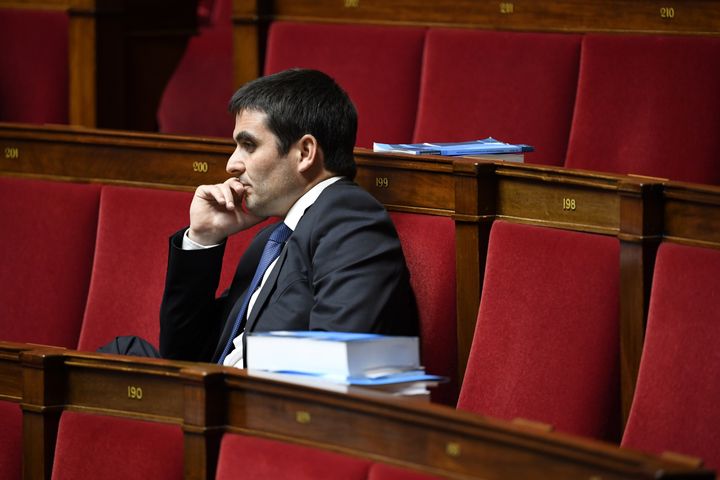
(207, 400)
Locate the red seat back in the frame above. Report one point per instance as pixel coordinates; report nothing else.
(10, 441)
(637, 112)
(110, 448)
(379, 67)
(546, 343)
(196, 97)
(131, 260)
(34, 65)
(253, 458)
(48, 240)
(677, 397)
(428, 243)
(516, 87)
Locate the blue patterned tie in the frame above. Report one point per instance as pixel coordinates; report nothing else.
(274, 245)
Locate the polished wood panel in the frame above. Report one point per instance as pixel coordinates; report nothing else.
(691, 214)
(583, 201)
(422, 184)
(646, 16)
(444, 442)
(11, 382)
(115, 157)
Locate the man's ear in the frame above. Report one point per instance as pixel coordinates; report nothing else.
(309, 151)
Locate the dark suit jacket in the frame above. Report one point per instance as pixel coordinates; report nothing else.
(342, 269)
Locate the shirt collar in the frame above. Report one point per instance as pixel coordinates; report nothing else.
(298, 209)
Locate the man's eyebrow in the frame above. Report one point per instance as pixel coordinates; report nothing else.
(245, 136)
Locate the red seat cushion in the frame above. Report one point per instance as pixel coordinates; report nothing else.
(90, 446)
(48, 240)
(128, 276)
(428, 243)
(253, 458)
(639, 112)
(677, 397)
(10, 441)
(34, 65)
(516, 87)
(379, 67)
(546, 343)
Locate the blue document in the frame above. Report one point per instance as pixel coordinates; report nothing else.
(415, 375)
(488, 146)
(321, 335)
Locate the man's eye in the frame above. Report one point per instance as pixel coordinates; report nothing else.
(248, 146)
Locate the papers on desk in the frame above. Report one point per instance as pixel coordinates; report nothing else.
(415, 384)
(340, 361)
(488, 146)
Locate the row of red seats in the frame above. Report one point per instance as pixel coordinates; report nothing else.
(546, 341)
(639, 104)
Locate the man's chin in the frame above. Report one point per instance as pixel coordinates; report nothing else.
(254, 208)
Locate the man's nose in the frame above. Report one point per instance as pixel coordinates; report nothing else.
(234, 165)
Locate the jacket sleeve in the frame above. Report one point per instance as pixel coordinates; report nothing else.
(190, 318)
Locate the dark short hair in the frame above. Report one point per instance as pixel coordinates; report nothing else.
(302, 101)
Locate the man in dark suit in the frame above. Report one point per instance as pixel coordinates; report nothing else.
(340, 265)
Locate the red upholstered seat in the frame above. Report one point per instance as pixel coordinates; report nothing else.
(648, 105)
(196, 97)
(253, 458)
(546, 344)
(379, 67)
(428, 243)
(10, 441)
(90, 446)
(516, 87)
(48, 240)
(130, 262)
(677, 397)
(34, 65)
(381, 471)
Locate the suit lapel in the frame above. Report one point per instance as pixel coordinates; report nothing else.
(227, 329)
(242, 278)
(265, 291)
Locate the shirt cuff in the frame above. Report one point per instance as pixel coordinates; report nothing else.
(188, 244)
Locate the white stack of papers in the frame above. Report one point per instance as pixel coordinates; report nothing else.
(340, 359)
